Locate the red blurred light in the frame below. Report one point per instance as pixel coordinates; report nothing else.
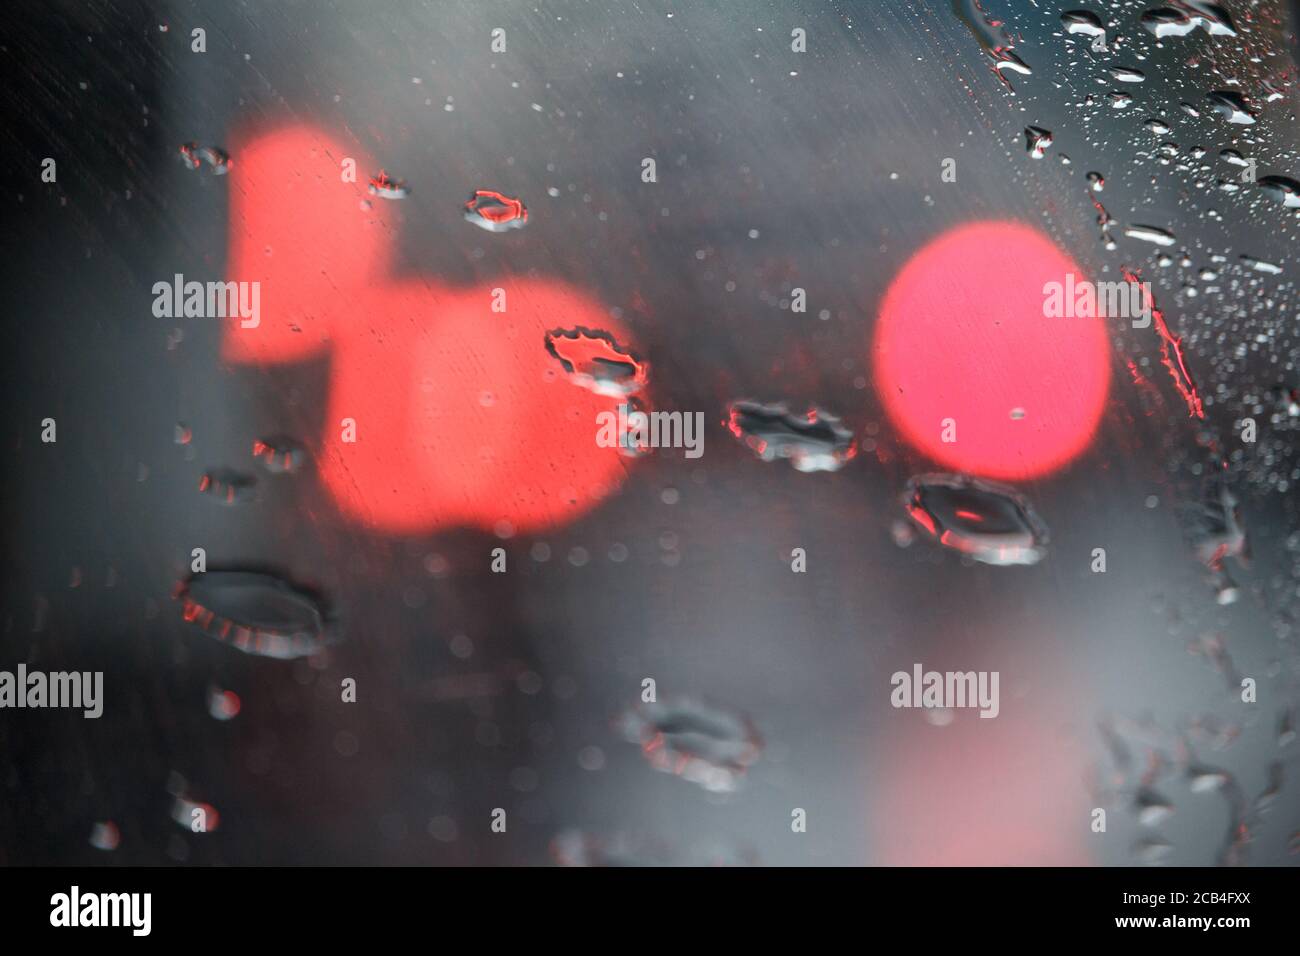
(962, 335)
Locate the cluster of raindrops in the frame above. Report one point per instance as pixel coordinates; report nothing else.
(1169, 764)
(1182, 111)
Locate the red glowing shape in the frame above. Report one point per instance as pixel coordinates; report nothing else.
(962, 335)
(461, 417)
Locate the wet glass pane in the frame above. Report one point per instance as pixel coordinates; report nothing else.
(622, 433)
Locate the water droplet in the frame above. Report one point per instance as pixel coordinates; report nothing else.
(495, 212)
(1125, 74)
(1151, 807)
(594, 360)
(1152, 849)
(105, 836)
(1281, 189)
(257, 613)
(1157, 126)
(1272, 789)
(815, 441)
(228, 486)
(183, 814)
(998, 45)
(385, 187)
(1097, 182)
(1083, 21)
(705, 744)
(1232, 107)
(1161, 237)
(1260, 265)
(991, 523)
(1119, 100)
(194, 156)
(222, 704)
(1286, 728)
(1037, 140)
(1203, 779)
(1181, 17)
(279, 455)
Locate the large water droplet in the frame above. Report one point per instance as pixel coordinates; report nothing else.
(991, 523)
(815, 441)
(594, 360)
(1260, 265)
(257, 613)
(1281, 189)
(1083, 21)
(1181, 17)
(1232, 107)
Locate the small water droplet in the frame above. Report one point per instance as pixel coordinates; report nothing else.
(105, 836)
(222, 704)
(1037, 140)
(1161, 237)
(386, 187)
